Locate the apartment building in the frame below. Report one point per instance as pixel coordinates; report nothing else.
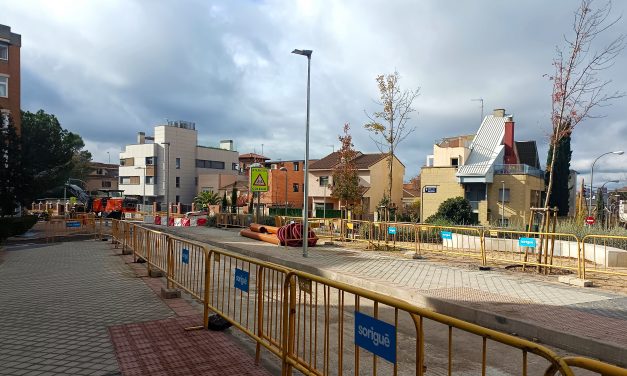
(372, 170)
(171, 167)
(10, 90)
(103, 176)
(500, 177)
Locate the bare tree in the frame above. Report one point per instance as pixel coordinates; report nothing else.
(577, 86)
(390, 124)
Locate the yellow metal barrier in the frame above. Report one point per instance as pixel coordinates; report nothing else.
(55, 228)
(605, 254)
(594, 366)
(311, 323)
(540, 249)
(324, 319)
(233, 220)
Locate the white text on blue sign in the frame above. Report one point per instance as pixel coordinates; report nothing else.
(447, 235)
(241, 279)
(392, 230)
(376, 336)
(526, 242)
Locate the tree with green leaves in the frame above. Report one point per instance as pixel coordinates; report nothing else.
(225, 203)
(206, 198)
(11, 187)
(49, 159)
(234, 199)
(559, 196)
(456, 211)
(345, 185)
(390, 124)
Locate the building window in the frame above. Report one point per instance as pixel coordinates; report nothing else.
(4, 51)
(196, 181)
(178, 199)
(207, 189)
(218, 165)
(295, 167)
(4, 86)
(178, 182)
(234, 167)
(106, 184)
(99, 171)
(151, 161)
(500, 198)
(125, 180)
(454, 162)
(324, 181)
(295, 187)
(178, 163)
(150, 180)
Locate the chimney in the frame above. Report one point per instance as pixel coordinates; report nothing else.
(508, 141)
(498, 112)
(141, 138)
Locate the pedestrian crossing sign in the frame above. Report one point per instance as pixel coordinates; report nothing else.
(259, 179)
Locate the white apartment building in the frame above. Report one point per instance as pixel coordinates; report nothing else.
(174, 151)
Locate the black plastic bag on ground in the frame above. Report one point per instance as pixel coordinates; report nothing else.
(217, 323)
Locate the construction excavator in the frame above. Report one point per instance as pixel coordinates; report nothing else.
(109, 203)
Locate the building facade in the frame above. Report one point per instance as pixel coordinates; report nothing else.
(286, 184)
(171, 167)
(500, 177)
(10, 86)
(372, 170)
(103, 176)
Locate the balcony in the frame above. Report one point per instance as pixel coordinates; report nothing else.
(518, 169)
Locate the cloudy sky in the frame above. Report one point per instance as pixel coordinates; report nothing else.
(109, 69)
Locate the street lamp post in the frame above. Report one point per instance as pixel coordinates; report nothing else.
(600, 192)
(285, 170)
(618, 152)
(167, 181)
(503, 204)
(306, 53)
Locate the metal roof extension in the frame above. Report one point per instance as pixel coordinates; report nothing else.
(486, 150)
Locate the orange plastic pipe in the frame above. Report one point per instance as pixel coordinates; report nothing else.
(269, 238)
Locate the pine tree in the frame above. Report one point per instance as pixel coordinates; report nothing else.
(561, 169)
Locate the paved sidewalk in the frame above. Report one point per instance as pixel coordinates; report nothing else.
(62, 304)
(588, 321)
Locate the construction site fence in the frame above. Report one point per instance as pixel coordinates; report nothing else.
(317, 326)
(83, 225)
(593, 256)
(234, 220)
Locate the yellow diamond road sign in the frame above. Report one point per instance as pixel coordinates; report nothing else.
(258, 179)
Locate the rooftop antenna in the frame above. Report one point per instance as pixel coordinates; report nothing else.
(333, 146)
(479, 100)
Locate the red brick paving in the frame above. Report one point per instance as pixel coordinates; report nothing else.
(164, 347)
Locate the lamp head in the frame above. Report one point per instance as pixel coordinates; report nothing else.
(282, 169)
(303, 52)
(619, 152)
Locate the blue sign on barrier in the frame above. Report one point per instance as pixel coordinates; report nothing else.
(447, 235)
(527, 242)
(72, 224)
(185, 256)
(392, 230)
(241, 279)
(376, 336)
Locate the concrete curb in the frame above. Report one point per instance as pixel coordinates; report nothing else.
(591, 347)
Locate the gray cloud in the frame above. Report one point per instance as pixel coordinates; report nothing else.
(110, 69)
